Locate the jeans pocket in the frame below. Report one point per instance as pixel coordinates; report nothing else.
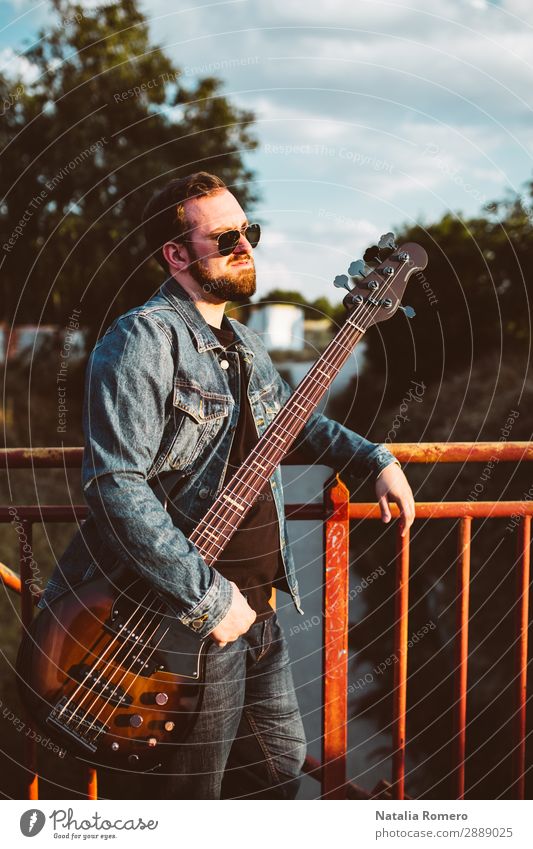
(265, 641)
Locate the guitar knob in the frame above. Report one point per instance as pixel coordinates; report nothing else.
(161, 698)
(152, 741)
(136, 720)
(115, 746)
(169, 725)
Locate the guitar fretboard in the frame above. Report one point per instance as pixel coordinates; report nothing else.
(221, 521)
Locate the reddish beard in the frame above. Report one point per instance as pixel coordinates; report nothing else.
(240, 286)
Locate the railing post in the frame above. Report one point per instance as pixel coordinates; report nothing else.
(31, 778)
(521, 652)
(461, 655)
(401, 616)
(92, 784)
(335, 638)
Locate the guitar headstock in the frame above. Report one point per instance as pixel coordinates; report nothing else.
(379, 281)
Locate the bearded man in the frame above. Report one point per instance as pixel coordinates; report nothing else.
(175, 387)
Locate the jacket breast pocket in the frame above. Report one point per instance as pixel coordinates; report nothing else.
(198, 416)
(270, 403)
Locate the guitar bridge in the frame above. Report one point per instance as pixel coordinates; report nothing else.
(76, 723)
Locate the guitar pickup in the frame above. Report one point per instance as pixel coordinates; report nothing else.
(94, 681)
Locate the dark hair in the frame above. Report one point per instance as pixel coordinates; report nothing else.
(164, 214)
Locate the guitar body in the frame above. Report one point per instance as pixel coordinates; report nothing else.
(108, 673)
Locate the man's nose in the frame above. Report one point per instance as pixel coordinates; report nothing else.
(243, 246)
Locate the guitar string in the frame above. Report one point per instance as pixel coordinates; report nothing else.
(349, 327)
(98, 659)
(102, 671)
(114, 709)
(228, 511)
(117, 685)
(133, 647)
(221, 512)
(214, 511)
(92, 688)
(128, 671)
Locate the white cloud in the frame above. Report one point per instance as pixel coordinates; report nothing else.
(18, 67)
(378, 110)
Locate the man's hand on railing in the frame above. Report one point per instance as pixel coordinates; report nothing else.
(392, 485)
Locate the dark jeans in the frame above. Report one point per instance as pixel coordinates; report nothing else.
(248, 741)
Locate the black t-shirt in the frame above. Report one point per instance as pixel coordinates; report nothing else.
(252, 557)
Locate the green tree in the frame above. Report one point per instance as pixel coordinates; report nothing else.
(473, 300)
(108, 120)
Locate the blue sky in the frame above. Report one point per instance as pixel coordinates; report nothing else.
(369, 114)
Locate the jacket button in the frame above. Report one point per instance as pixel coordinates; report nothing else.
(196, 624)
(224, 364)
(203, 492)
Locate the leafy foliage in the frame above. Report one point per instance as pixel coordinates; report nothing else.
(109, 119)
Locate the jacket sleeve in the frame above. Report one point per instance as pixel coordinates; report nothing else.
(128, 395)
(324, 440)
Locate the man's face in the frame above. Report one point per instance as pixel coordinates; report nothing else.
(221, 278)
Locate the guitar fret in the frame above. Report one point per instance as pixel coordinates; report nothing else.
(320, 383)
(209, 534)
(232, 501)
(266, 467)
(284, 429)
(246, 484)
(263, 477)
(344, 347)
(215, 534)
(299, 417)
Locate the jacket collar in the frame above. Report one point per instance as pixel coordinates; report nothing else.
(204, 338)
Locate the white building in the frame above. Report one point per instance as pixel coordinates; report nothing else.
(281, 326)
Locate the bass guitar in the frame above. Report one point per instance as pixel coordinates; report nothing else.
(106, 669)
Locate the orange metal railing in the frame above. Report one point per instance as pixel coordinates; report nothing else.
(336, 512)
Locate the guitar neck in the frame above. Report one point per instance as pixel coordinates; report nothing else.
(213, 533)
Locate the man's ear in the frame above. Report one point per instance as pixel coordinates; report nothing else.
(176, 255)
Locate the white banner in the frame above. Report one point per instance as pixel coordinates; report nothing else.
(261, 824)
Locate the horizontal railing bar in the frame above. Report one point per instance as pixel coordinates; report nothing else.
(460, 452)
(307, 512)
(447, 509)
(40, 458)
(406, 452)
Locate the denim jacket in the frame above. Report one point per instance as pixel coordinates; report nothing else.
(162, 396)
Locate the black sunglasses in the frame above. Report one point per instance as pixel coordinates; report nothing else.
(228, 241)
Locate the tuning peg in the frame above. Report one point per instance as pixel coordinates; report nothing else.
(357, 268)
(387, 241)
(372, 255)
(409, 311)
(341, 282)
